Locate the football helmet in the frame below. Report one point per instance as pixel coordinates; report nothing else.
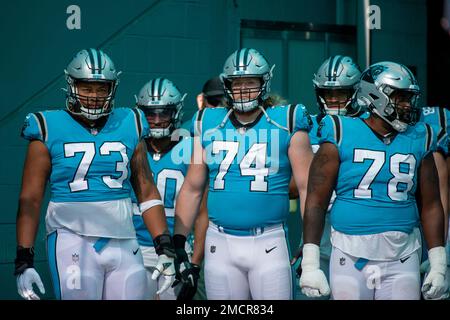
(91, 65)
(247, 63)
(390, 91)
(161, 102)
(335, 83)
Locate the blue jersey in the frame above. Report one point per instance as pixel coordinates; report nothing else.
(377, 181)
(168, 171)
(88, 166)
(438, 119)
(249, 168)
(313, 138)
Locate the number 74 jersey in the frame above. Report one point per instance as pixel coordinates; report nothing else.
(377, 179)
(249, 168)
(88, 166)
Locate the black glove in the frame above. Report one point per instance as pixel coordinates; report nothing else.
(24, 259)
(164, 245)
(191, 273)
(179, 242)
(189, 281)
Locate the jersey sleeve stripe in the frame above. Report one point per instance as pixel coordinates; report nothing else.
(429, 137)
(442, 124)
(337, 128)
(137, 118)
(42, 125)
(198, 122)
(291, 117)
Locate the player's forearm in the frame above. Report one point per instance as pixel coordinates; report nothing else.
(27, 222)
(432, 213)
(155, 220)
(313, 222)
(186, 209)
(199, 251)
(303, 194)
(201, 225)
(441, 167)
(433, 224)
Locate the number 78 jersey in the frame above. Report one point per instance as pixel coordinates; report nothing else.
(377, 180)
(249, 168)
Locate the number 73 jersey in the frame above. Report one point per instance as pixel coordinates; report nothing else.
(86, 166)
(249, 168)
(377, 179)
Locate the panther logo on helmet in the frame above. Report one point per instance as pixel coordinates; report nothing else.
(390, 91)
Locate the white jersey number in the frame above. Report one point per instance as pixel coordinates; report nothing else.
(169, 195)
(252, 164)
(79, 182)
(401, 166)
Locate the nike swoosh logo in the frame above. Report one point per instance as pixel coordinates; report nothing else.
(403, 260)
(134, 252)
(267, 251)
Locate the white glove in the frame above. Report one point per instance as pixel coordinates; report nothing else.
(313, 282)
(25, 284)
(435, 286)
(165, 267)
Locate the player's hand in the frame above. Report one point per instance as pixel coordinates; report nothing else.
(165, 267)
(188, 281)
(25, 283)
(26, 274)
(435, 285)
(187, 272)
(313, 282)
(166, 261)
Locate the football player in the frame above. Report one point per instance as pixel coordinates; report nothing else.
(334, 84)
(169, 154)
(378, 167)
(248, 152)
(438, 119)
(92, 155)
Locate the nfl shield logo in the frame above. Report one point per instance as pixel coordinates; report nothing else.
(213, 249)
(342, 261)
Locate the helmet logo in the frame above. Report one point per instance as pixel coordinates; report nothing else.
(376, 71)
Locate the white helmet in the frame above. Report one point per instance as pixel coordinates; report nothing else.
(246, 63)
(161, 96)
(336, 73)
(91, 65)
(378, 83)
